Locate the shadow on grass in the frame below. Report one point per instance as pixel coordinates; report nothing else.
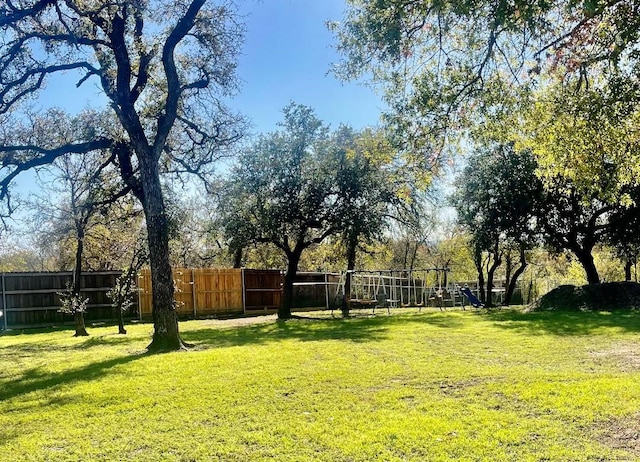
(564, 322)
(303, 329)
(357, 328)
(37, 379)
(353, 329)
(29, 347)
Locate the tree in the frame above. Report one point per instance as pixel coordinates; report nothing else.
(282, 191)
(497, 200)
(372, 191)
(163, 67)
(588, 151)
(123, 293)
(82, 192)
(624, 237)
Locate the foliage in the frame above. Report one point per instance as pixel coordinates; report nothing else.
(497, 196)
(497, 199)
(432, 386)
(585, 138)
(71, 301)
(442, 65)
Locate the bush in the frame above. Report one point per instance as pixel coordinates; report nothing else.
(608, 296)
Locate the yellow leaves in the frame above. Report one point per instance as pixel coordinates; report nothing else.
(583, 139)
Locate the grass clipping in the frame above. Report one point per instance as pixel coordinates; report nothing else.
(609, 296)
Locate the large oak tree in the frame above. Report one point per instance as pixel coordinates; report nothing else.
(164, 68)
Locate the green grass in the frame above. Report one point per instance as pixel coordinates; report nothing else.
(424, 386)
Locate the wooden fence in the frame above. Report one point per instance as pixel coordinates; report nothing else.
(31, 299)
(202, 292)
(316, 290)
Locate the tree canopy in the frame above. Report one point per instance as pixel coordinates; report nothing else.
(497, 199)
(441, 64)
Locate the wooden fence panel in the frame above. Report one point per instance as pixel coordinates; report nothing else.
(217, 292)
(263, 290)
(32, 298)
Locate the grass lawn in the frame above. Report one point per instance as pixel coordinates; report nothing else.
(430, 386)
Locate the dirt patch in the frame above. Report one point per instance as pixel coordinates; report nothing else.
(626, 356)
(610, 296)
(622, 434)
(237, 322)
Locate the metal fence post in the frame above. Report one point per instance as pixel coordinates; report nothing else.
(326, 289)
(193, 292)
(4, 304)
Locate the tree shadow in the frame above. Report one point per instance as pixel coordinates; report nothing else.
(357, 328)
(564, 323)
(30, 348)
(37, 379)
(304, 329)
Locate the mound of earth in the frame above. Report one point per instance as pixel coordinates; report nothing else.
(609, 296)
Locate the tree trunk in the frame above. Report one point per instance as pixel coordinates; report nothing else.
(508, 267)
(514, 279)
(121, 329)
(352, 244)
(477, 259)
(284, 312)
(586, 260)
(165, 320)
(497, 261)
(237, 258)
(628, 265)
(78, 315)
(126, 289)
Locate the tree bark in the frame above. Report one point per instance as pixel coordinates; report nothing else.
(586, 260)
(352, 245)
(628, 265)
(497, 260)
(78, 315)
(478, 262)
(514, 278)
(121, 328)
(125, 289)
(293, 259)
(237, 257)
(165, 319)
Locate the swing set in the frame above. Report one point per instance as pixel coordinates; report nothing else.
(400, 288)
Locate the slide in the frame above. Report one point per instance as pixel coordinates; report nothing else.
(472, 298)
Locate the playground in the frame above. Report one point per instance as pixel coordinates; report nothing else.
(430, 287)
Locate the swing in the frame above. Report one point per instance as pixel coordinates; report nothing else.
(364, 289)
(440, 294)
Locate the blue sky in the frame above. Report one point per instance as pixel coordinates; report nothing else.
(286, 56)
